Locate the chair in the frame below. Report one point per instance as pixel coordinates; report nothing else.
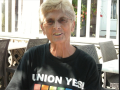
(109, 53)
(35, 42)
(99, 66)
(91, 50)
(3, 57)
(31, 43)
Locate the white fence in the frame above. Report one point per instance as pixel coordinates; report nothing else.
(20, 19)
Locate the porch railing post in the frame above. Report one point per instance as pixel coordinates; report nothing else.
(117, 35)
(13, 16)
(0, 16)
(6, 16)
(98, 18)
(108, 19)
(88, 19)
(78, 18)
(19, 16)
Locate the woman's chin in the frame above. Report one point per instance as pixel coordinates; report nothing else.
(58, 41)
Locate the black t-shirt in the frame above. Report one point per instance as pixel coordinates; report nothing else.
(40, 70)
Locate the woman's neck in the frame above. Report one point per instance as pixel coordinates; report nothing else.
(61, 50)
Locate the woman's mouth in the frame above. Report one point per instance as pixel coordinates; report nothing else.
(57, 34)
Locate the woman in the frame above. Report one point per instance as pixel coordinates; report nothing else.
(58, 65)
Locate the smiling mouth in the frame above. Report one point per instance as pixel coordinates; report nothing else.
(58, 34)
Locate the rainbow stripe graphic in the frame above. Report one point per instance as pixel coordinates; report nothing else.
(46, 87)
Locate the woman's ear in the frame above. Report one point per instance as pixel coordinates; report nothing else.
(42, 27)
(73, 26)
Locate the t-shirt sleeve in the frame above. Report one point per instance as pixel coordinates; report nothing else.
(92, 80)
(19, 79)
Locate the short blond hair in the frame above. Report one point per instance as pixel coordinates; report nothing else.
(51, 5)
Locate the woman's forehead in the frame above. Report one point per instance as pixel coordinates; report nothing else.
(55, 14)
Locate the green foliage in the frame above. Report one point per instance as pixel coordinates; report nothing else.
(84, 10)
(72, 34)
(74, 2)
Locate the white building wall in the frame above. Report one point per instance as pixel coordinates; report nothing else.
(103, 21)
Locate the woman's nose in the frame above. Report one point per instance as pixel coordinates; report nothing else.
(57, 25)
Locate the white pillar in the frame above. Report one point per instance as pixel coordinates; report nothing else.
(13, 16)
(19, 16)
(35, 17)
(98, 18)
(78, 18)
(0, 16)
(30, 17)
(117, 36)
(88, 19)
(26, 17)
(6, 16)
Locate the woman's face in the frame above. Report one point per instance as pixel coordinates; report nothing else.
(58, 27)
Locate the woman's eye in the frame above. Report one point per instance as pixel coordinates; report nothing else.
(50, 22)
(62, 20)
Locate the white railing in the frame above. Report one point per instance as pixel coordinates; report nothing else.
(96, 39)
(28, 21)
